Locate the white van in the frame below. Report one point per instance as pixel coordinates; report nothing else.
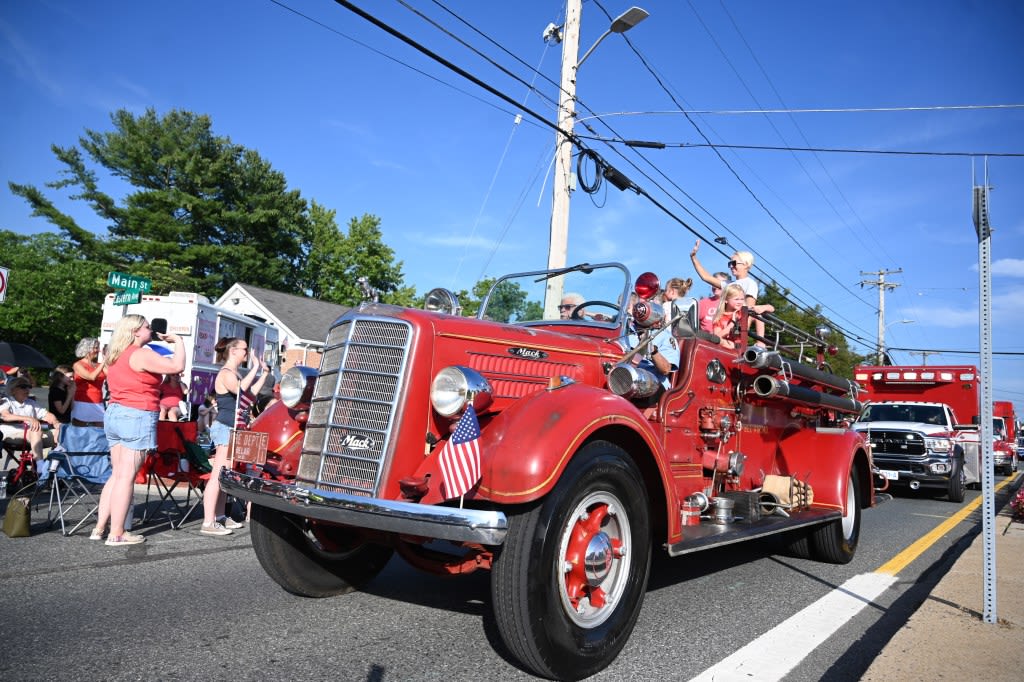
(200, 324)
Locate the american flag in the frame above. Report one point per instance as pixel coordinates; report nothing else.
(242, 411)
(460, 457)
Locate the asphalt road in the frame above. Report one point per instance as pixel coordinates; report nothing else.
(185, 606)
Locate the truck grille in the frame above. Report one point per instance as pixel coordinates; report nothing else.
(354, 402)
(897, 443)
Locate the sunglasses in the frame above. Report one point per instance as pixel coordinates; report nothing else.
(734, 263)
(566, 306)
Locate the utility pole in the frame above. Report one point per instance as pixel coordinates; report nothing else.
(882, 286)
(924, 355)
(988, 498)
(565, 180)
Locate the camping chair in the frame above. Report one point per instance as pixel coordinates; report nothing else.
(174, 462)
(74, 471)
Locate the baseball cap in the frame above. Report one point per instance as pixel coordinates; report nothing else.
(21, 382)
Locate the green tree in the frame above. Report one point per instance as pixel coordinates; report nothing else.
(202, 214)
(337, 260)
(507, 303)
(55, 294)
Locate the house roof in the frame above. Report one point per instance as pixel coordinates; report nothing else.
(307, 318)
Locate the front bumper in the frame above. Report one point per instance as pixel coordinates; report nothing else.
(404, 518)
(919, 469)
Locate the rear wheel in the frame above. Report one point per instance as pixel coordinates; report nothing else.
(330, 561)
(569, 580)
(836, 541)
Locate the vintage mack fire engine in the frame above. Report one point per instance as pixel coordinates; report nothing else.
(573, 457)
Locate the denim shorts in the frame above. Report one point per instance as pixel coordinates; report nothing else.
(220, 433)
(130, 427)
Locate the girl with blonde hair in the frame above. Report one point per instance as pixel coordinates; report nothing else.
(134, 376)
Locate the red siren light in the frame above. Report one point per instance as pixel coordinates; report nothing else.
(833, 350)
(647, 285)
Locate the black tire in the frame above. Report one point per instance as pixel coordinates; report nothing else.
(800, 545)
(836, 542)
(956, 489)
(569, 624)
(294, 557)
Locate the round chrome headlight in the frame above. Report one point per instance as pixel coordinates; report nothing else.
(454, 387)
(297, 385)
(442, 301)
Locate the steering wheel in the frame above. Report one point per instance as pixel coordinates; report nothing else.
(576, 315)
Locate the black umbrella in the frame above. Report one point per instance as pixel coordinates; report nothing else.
(20, 355)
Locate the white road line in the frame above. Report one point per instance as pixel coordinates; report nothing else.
(772, 655)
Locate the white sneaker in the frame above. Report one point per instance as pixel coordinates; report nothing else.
(215, 528)
(230, 523)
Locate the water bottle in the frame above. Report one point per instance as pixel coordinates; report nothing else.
(3, 487)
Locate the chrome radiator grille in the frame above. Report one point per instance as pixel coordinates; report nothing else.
(354, 402)
(897, 443)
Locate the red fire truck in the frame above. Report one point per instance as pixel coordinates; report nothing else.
(922, 423)
(552, 451)
(1004, 432)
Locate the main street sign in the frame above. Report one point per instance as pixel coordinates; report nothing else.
(121, 280)
(126, 297)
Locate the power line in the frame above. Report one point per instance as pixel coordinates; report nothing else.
(847, 110)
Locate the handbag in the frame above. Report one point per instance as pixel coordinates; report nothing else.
(17, 518)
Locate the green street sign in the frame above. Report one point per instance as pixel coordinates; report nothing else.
(121, 280)
(127, 297)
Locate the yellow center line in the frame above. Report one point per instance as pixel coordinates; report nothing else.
(901, 560)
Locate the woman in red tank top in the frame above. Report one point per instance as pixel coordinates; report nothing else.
(87, 409)
(133, 377)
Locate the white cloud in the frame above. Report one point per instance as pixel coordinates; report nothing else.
(1010, 267)
(460, 241)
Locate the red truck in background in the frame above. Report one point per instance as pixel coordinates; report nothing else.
(551, 453)
(922, 424)
(1004, 432)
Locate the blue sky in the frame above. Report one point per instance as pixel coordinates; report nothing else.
(362, 123)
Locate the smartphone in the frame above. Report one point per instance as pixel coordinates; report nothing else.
(158, 325)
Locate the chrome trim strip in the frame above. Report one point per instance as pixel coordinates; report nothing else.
(407, 518)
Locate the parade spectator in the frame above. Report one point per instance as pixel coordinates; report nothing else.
(172, 393)
(708, 306)
(207, 413)
(134, 378)
(62, 393)
(21, 417)
(90, 374)
(228, 389)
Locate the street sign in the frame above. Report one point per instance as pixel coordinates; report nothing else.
(127, 297)
(3, 283)
(121, 280)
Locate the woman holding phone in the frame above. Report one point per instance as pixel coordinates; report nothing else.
(227, 387)
(134, 375)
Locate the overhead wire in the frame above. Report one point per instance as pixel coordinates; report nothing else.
(492, 90)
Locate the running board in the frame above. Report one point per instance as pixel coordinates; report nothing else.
(709, 535)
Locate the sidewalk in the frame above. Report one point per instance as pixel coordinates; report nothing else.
(947, 637)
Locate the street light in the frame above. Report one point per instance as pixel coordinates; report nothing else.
(881, 338)
(562, 185)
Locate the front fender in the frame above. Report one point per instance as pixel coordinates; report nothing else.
(527, 446)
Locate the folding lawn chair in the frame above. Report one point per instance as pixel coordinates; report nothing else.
(174, 462)
(73, 474)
